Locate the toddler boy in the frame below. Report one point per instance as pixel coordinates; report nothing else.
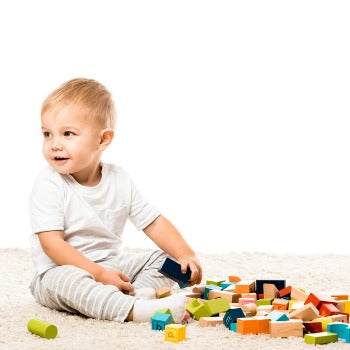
(78, 209)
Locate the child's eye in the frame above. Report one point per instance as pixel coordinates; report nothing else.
(68, 133)
(46, 134)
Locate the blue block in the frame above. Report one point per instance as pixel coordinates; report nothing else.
(342, 329)
(232, 315)
(172, 270)
(159, 321)
(208, 288)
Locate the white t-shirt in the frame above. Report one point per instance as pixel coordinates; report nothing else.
(92, 218)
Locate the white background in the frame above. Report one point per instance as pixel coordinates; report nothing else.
(233, 116)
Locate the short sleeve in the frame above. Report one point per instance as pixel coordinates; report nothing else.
(46, 205)
(142, 212)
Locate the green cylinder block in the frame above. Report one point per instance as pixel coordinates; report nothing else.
(42, 328)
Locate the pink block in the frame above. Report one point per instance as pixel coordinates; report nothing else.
(243, 301)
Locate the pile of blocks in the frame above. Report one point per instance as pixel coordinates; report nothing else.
(263, 307)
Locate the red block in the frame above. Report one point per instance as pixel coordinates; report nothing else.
(313, 327)
(285, 291)
(317, 299)
(327, 309)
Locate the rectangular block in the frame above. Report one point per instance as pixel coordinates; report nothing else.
(317, 299)
(232, 315)
(325, 321)
(321, 338)
(313, 326)
(254, 325)
(211, 321)
(231, 297)
(172, 270)
(270, 291)
(217, 305)
(327, 309)
(163, 292)
(242, 301)
(282, 329)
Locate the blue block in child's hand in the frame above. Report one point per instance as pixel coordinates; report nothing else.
(172, 269)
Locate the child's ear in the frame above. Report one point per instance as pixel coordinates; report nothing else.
(106, 137)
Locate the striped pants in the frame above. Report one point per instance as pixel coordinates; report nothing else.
(71, 289)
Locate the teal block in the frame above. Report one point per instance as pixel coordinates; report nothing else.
(208, 288)
(342, 329)
(159, 321)
(233, 327)
(224, 285)
(276, 315)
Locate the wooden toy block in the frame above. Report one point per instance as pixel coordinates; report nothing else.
(164, 311)
(216, 306)
(340, 296)
(175, 332)
(249, 295)
(342, 329)
(232, 315)
(225, 284)
(193, 295)
(276, 315)
(341, 305)
(320, 338)
(282, 329)
(234, 279)
(270, 291)
(297, 294)
(313, 326)
(242, 301)
(295, 305)
(325, 321)
(231, 288)
(208, 288)
(192, 306)
(347, 306)
(327, 309)
(210, 321)
(172, 270)
(259, 285)
(261, 302)
(253, 325)
(163, 292)
(249, 308)
(233, 327)
(306, 313)
(199, 289)
(201, 311)
(285, 291)
(159, 321)
(245, 287)
(216, 282)
(344, 318)
(280, 304)
(317, 299)
(214, 294)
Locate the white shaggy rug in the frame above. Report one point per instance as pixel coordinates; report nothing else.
(313, 272)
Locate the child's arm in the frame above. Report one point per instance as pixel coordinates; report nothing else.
(163, 233)
(62, 253)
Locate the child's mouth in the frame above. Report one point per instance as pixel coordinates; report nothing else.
(60, 159)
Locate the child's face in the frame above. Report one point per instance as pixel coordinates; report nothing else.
(71, 142)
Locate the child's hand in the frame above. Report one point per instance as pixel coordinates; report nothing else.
(193, 263)
(116, 278)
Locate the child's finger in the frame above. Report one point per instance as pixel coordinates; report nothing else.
(184, 264)
(125, 278)
(127, 287)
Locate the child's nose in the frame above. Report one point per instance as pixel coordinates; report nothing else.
(56, 145)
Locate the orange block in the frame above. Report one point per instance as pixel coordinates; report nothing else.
(280, 304)
(245, 287)
(328, 309)
(250, 325)
(233, 279)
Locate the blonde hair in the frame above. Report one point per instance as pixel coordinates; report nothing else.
(88, 93)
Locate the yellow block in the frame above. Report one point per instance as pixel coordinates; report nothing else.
(175, 332)
(324, 321)
(347, 306)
